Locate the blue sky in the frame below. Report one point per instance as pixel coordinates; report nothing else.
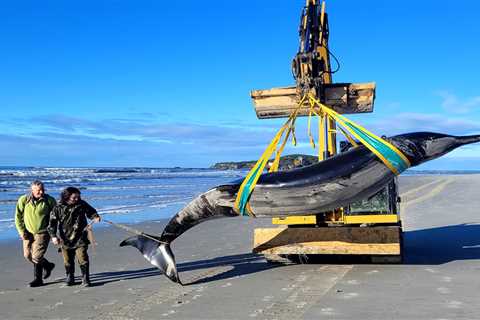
(166, 83)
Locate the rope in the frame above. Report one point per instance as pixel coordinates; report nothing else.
(90, 236)
(133, 231)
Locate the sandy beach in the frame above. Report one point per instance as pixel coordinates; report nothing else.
(224, 280)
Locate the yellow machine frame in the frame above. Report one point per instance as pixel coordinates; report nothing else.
(345, 219)
(328, 143)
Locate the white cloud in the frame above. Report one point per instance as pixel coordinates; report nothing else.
(412, 122)
(192, 144)
(453, 104)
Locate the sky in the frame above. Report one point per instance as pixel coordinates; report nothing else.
(167, 83)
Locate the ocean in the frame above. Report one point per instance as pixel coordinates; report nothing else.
(122, 195)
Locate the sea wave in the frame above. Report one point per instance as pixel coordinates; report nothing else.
(119, 211)
(98, 187)
(7, 201)
(56, 179)
(138, 207)
(127, 194)
(116, 171)
(44, 172)
(140, 187)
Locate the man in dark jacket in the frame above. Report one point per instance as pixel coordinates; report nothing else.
(31, 219)
(68, 227)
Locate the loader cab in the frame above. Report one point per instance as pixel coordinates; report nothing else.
(383, 207)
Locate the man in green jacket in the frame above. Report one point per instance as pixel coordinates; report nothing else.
(31, 219)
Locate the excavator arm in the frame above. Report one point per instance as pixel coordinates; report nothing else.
(311, 65)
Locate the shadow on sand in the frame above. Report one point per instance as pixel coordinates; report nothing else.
(241, 264)
(421, 247)
(442, 244)
(101, 278)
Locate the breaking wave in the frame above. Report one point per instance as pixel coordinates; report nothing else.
(129, 194)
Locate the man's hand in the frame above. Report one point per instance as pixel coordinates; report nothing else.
(55, 241)
(97, 219)
(25, 236)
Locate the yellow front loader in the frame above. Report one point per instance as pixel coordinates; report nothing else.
(371, 227)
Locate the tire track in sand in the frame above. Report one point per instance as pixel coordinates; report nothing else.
(441, 184)
(421, 187)
(175, 295)
(305, 291)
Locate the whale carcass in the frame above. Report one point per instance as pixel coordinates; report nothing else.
(336, 182)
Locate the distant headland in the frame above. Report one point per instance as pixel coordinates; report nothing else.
(286, 163)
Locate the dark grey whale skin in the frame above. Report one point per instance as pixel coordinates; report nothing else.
(335, 182)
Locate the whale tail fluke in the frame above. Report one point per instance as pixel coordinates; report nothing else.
(157, 253)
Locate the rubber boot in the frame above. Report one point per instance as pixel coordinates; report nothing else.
(37, 274)
(85, 275)
(47, 268)
(70, 278)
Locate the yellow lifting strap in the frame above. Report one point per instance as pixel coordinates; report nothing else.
(248, 184)
(390, 155)
(386, 152)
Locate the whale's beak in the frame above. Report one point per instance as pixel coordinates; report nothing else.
(463, 140)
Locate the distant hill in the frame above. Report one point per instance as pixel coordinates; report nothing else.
(286, 162)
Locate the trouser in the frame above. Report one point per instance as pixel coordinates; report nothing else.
(35, 247)
(69, 256)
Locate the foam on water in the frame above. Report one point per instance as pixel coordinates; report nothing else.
(122, 194)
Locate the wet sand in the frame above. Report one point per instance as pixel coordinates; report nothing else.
(224, 280)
